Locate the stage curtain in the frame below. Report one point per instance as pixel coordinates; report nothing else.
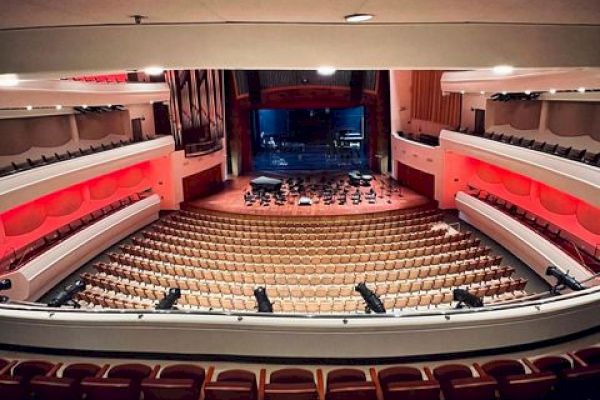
(427, 102)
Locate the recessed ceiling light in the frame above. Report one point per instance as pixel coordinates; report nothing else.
(154, 70)
(552, 91)
(503, 69)
(29, 108)
(504, 92)
(326, 71)
(109, 105)
(462, 92)
(581, 90)
(358, 17)
(9, 80)
(84, 106)
(528, 92)
(482, 92)
(58, 107)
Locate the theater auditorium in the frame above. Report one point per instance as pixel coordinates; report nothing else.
(300, 200)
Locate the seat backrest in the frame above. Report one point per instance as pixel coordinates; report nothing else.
(554, 364)
(170, 389)
(590, 355)
(135, 372)
(52, 388)
(292, 375)
(446, 373)
(344, 375)
(237, 375)
(502, 368)
(109, 388)
(184, 371)
(80, 371)
(29, 369)
(399, 374)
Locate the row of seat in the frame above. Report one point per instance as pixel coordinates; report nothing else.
(573, 376)
(159, 262)
(295, 234)
(15, 167)
(113, 293)
(15, 259)
(550, 231)
(571, 153)
(344, 220)
(176, 255)
(306, 228)
(192, 238)
(154, 272)
(159, 241)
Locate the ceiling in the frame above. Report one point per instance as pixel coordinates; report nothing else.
(46, 13)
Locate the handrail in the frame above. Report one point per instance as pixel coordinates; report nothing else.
(28, 306)
(578, 253)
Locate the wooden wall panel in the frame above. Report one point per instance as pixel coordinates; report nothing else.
(203, 183)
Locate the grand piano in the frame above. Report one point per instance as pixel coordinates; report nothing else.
(265, 184)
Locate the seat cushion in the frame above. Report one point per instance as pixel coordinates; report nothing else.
(80, 371)
(345, 375)
(500, 368)
(292, 375)
(391, 375)
(184, 371)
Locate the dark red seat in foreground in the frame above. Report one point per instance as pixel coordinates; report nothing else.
(515, 384)
(67, 387)
(15, 379)
(349, 384)
(291, 384)
(458, 383)
(180, 381)
(109, 388)
(590, 355)
(407, 383)
(235, 384)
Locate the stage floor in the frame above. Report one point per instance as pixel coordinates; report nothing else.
(231, 200)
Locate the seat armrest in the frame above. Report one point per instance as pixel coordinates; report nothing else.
(261, 384)
(531, 365)
(320, 384)
(578, 361)
(207, 379)
(8, 367)
(375, 380)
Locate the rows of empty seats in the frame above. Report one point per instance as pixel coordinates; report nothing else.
(13, 260)
(311, 272)
(571, 153)
(546, 229)
(573, 376)
(16, 167)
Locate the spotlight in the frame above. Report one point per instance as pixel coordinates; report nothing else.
(552, 91)
(58, 107)
(563, 279)
(581, 90)
(7, 80)
(504, 92)
(170, 299)
(264, 304)
(326, 71)
(503, 69)
(109, 105)
(528, 92)
(482, 92)
(5, 284)
(65, 296)
(154, 71)
(84, 106)
(463, 297)
(29, 108)
(358, 17)
(462, 92)
(373, 302)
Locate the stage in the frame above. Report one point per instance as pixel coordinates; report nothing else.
(231, 200)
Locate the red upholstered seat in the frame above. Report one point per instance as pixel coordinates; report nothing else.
(349, 384)
(28, 369)
(13, 388)
(501, 368)
(407, 383)
(135, 372)
(109, 388)
(480, 388)
(534, 386)
(590, 355)
(291, 384)
(80, 371)
(448, 372)
(184, 371)
(554, 364)
(235, 384)
(580, 383)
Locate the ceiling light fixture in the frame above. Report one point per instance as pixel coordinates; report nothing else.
(327, 71)
(504, 92)
(7, 80)
(29, 108)
(482, 92)
(462, 92)
(528, 92)
(358, 17)
(154, 71)
(503, 69)
(109, 105)
(581, 90)
(58, 107)
(552, 91)
(84, 106)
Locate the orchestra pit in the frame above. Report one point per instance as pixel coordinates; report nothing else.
(300, 200)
